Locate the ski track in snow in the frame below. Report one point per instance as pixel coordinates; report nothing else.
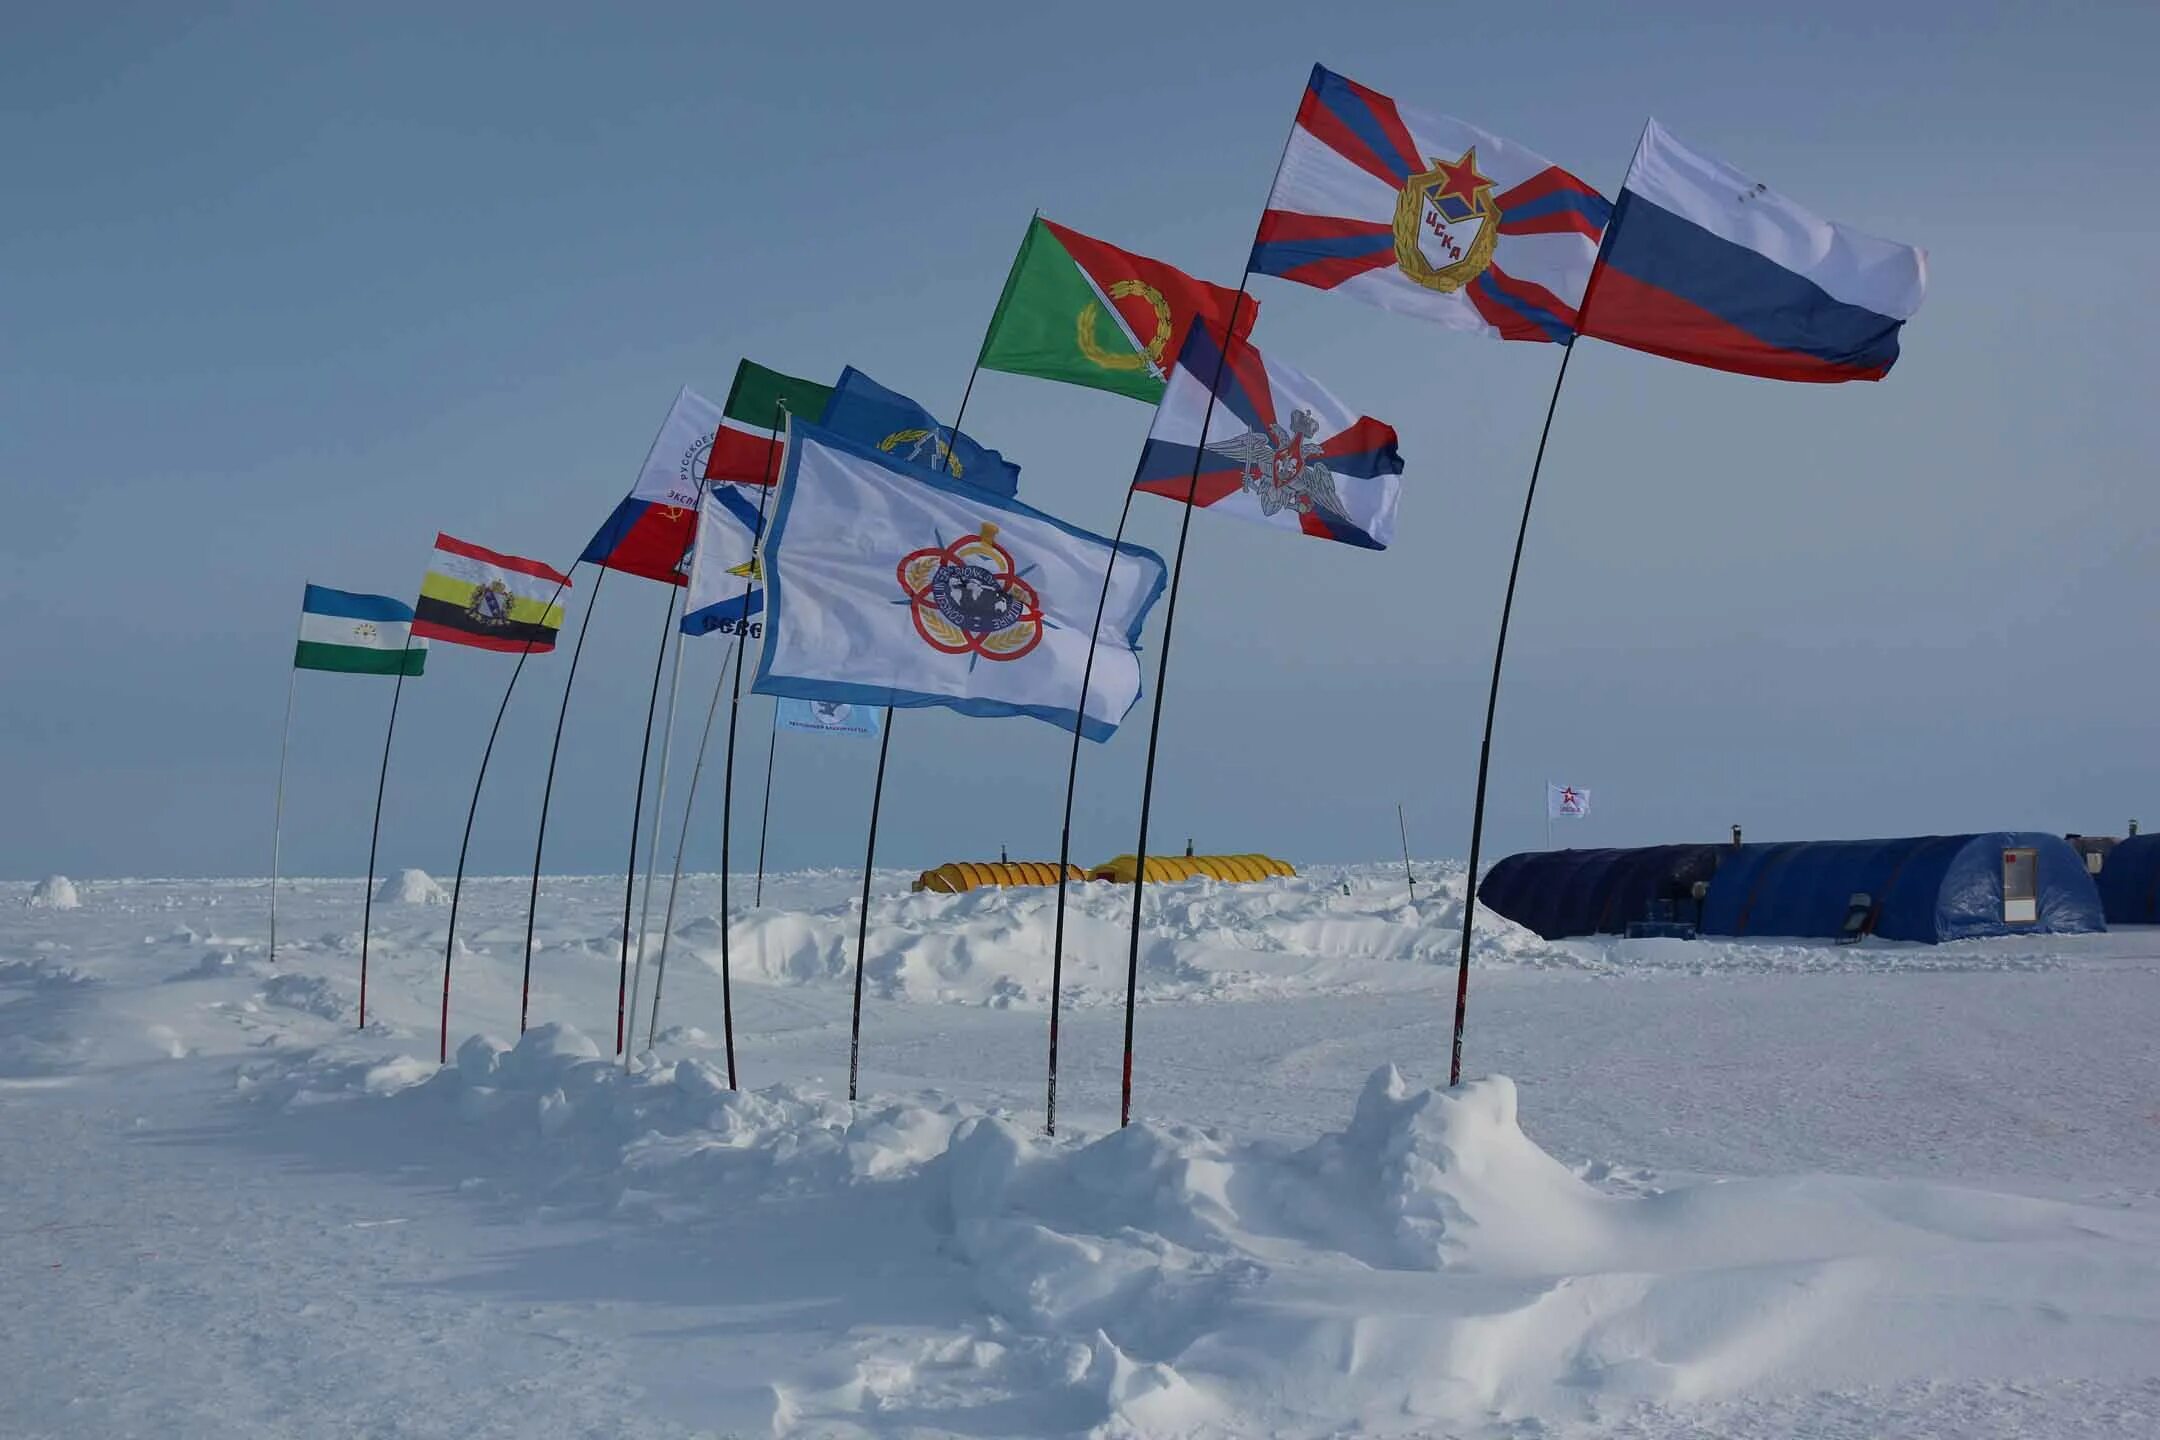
(1730, 1190)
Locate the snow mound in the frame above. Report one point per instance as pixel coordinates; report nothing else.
(55, 892)
(1168, 1279)
(411, 887)
(311, 994)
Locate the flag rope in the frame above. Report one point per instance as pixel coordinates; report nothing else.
(457, 887)
(547, 793)
(682, 841)
(772, 745)
(382, 779)
(1404, 826)
(637, 807)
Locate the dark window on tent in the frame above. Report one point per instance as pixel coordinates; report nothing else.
(2021, 887)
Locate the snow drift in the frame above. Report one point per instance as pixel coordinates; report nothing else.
(54, 892)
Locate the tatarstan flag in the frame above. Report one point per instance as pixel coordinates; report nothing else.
(753, 423)
(1085, 312)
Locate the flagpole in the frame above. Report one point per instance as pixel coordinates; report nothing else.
(877, 790)
(277, 823)
(862, 929)
(547, 791)
(457, 886)
(652, 843)
(652, 703)
(1404, 826)
(727, 784)
(1064, 862)
(682, 840)
(772, 747)
(1492, 705)
(382, 779)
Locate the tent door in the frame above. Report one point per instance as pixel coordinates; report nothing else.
(2021, 887)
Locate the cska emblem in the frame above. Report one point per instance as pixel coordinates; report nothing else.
(1446, 224)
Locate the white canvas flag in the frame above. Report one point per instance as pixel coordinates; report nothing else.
(1566, 801)
(675, 466)
(894, 584)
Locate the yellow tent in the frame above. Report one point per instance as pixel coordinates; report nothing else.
(960, 876)
(1169, 869)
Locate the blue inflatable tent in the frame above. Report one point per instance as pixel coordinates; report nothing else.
(1927, 887)
(1559, 893)
(2130, 881)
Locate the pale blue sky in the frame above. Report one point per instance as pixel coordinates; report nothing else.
(284, 289)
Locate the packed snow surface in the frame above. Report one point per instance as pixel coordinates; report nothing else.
(1703, 1189)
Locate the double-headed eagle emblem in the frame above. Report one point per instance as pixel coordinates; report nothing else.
(1282, 468)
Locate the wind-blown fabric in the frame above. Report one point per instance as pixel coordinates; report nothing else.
(724, 590)
(894, 584)
(1428, 215)
(1279, 448)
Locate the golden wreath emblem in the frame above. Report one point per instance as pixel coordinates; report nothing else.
(1084, 329)
(1446, 224)
(921, 447)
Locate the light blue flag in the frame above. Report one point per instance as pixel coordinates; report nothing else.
(861, 409)
(831, 717)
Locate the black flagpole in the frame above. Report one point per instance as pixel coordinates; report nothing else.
(458, 886)
(637, 810)
(727, 783)
(547, 792)
(1492, 705)
(367, 903)
(1072, 777)
(772, 746)
(877, 791)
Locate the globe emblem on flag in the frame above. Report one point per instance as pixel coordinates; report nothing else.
(967, 598)
(830, 712)
(922, 447)
(1165, 326)
(690, 476)
(1446, 224)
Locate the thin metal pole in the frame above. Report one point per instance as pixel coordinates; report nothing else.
(682, 840)
(727, 783)
(1064, 862)
(457, 886)
(862, 931)
(1162, 674)
(382, 779)
(1404, 826)
(652, 844)
(1492, 705)
(772, 747)
(652, 703)
(547, 792)
(277, 824)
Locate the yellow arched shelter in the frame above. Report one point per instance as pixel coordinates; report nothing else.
(960, 876)
(1169, 869)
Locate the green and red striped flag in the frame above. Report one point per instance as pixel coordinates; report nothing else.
(745, 448)
(1085, 312)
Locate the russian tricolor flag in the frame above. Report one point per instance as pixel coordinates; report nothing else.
(1702, 264)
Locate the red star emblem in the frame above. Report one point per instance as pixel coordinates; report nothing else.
(1461, 179)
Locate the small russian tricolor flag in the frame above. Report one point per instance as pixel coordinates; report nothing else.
(1702, 264)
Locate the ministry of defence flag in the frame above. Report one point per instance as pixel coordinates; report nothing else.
(1570, 801)
(357, 634)
(894, 584)
(724, 589)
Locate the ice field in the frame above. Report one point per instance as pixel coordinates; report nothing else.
(1696, 1189)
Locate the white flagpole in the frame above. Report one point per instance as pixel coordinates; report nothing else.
(652, 844)
(682, 839)
(277, 825)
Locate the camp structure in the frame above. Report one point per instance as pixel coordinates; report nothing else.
(2130, 881)
(1170, 869)
(957, 877)
(1926, 888)
(1559, 893)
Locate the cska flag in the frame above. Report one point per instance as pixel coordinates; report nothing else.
(746, 445)
(1429, 216)
(1278, 449)
(1085, 312)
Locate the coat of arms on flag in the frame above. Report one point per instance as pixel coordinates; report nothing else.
(1428, 215)
(967, 598)
(1279, 449)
